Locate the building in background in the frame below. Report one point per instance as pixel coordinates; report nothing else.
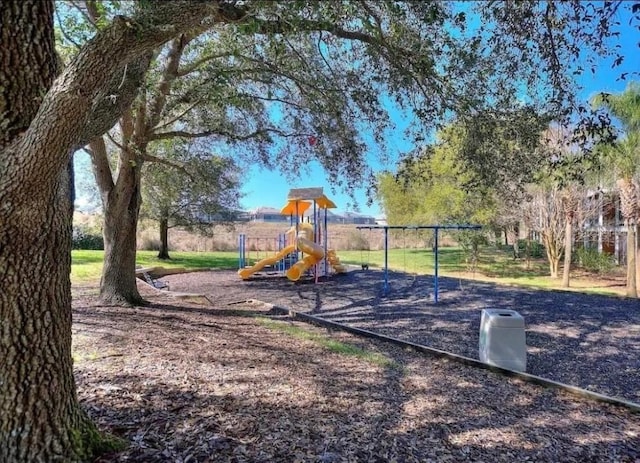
(271, 215)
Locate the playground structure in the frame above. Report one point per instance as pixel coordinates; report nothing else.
(304, 246)
(435, 228)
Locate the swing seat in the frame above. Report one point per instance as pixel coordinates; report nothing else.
(158, 284)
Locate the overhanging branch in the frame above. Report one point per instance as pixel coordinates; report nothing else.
(222, 133)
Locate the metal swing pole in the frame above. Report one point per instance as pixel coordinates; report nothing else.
(435, 272)
(386, 260)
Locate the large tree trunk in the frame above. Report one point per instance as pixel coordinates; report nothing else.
(40, 418)
(163, 253)
(43, 121)
(568, 245)
(121, 202)
(118, 283)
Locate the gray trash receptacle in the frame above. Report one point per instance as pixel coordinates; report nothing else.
(502, 339)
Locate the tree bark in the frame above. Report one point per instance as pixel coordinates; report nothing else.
(632, 290)
(568, 245)
(35, 340)
(164, 239)
(637, 252)
(527, 252)
(121, 204)
(120, 227)
(121, 210)
(40, 418)
(554, 266)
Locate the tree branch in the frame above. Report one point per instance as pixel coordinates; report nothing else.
(150, 158)
(91, 14)
(64, 32)
(47, 146)
(115, 99)
(271, 99)
(188, 69)
(101, 167)
(178, 117)
(114, 141)
(223, 133)
(169, 75)
(552, 46)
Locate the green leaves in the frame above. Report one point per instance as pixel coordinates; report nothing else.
(432, 186)
(623, 154)
(192, 187)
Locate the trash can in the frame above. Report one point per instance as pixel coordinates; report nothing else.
(502, 339)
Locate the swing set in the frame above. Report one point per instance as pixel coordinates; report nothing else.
(435, 228)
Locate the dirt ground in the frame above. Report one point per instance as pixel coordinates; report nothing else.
(589, 341)
(187, 381)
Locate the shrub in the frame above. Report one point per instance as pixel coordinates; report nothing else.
(470, 242)
(593, 261)
(85, 238)
(536, 250)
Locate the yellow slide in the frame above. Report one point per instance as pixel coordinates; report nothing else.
(334, 261)
(245, 273)
(315, 255)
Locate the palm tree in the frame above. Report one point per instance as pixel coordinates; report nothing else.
(624, 156)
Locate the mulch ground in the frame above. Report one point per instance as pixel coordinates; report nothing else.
(195, 382)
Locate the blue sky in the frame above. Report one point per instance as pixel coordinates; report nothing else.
(269, 188)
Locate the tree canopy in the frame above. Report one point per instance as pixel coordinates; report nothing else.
(434, 185)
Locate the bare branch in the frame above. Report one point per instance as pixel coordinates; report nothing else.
(552, 46)
(91, 14)
(178, 117)
(272, 99)
(113, 140)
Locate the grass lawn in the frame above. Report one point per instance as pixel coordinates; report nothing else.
(494, 265)
(87, 265)
(451, 261)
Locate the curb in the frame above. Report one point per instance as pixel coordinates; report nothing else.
(595, 396)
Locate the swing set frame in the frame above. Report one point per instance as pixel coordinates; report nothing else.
(435, 228)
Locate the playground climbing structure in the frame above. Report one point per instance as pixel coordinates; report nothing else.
(304, 247)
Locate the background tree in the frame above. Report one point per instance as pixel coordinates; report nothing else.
(185, 196)
(568, 171)
(288, 85)
(545, 212)
(624, 155)
(431, 186)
